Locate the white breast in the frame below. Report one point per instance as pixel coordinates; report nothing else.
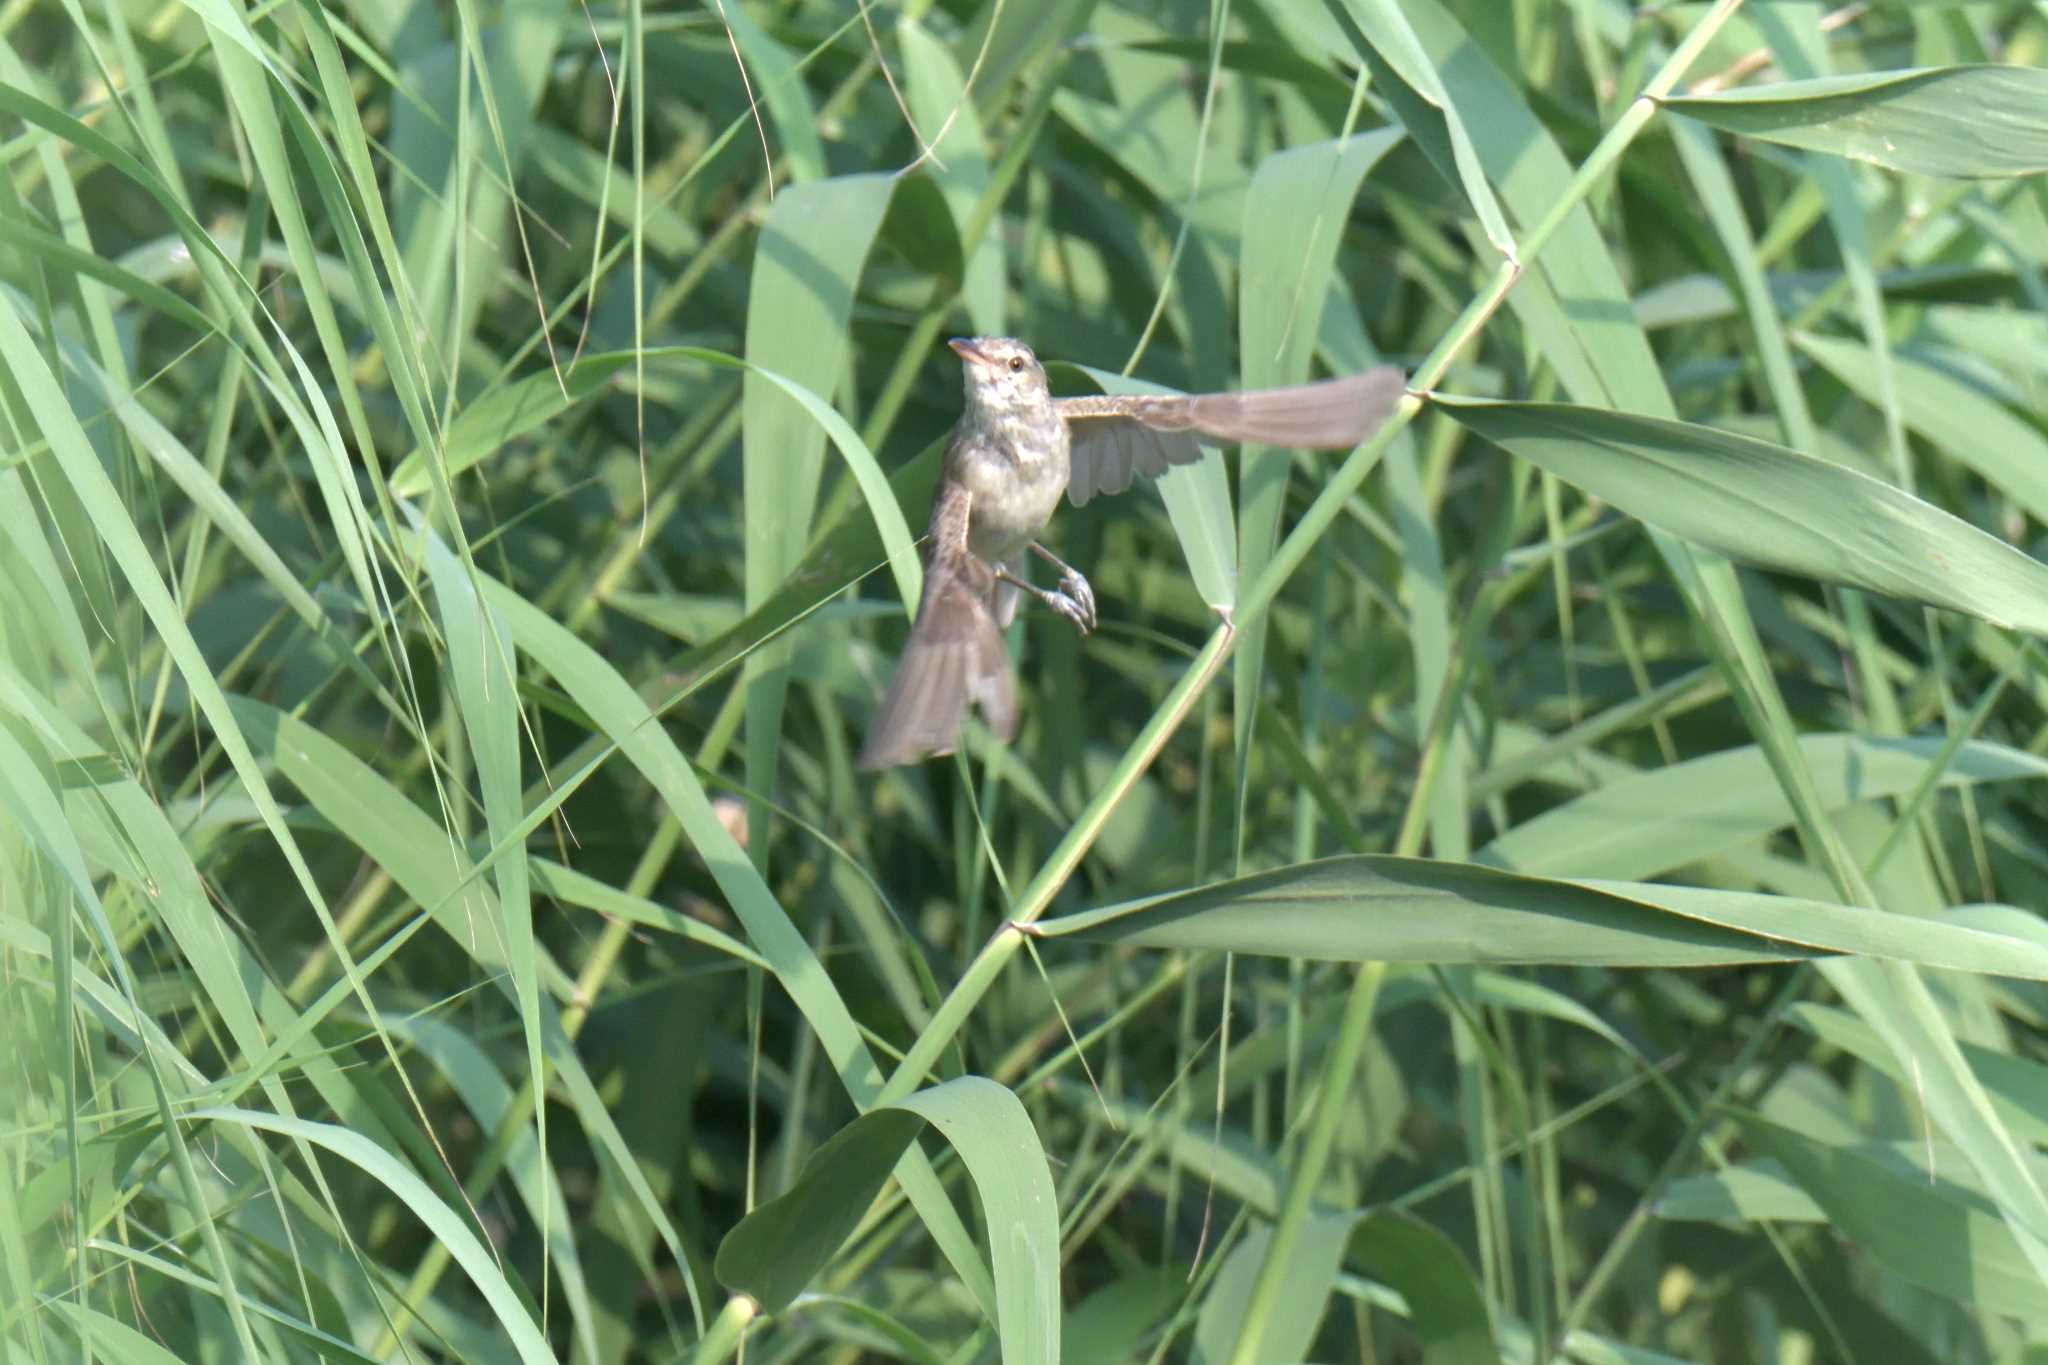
(1014, 496)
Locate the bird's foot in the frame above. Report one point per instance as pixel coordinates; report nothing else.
(1074, 600)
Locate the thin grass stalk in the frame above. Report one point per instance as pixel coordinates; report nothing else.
(1340, 1066)
(728, 1330)
(1338, 1070)
(1037, 896)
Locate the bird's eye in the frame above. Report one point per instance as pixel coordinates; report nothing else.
(1016, 362)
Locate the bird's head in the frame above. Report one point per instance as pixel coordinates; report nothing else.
(1002, 375)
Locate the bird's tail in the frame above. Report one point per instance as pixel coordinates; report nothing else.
(955, 656)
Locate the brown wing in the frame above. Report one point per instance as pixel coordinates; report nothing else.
(1109, 450)
(1117, 437)
(955, 655)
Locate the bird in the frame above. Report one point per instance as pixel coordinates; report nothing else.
(1015, 450)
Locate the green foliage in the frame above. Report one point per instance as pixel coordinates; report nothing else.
(458, 488)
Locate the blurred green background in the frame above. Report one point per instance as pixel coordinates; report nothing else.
(460, 477)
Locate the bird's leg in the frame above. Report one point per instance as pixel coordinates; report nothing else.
(1072, 584)
(1073, 599)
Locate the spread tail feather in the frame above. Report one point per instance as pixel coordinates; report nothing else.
(955, 656)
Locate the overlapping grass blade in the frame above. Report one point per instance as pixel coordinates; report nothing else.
(1973, 121)
(1766, 505)
(1377, 908)
(775, 1251)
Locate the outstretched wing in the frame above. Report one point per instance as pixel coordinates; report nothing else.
(1117, 438)
(1112, 448)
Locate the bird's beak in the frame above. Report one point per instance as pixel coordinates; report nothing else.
(965, 348)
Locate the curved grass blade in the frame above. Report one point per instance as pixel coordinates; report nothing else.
(1971, 427)
(1656, 821)
(778, 88)
(1445, 1306)
(1426, 109)
(777, 1250)
(1295, 215)
(1961, 121)
(1766, 505)
(945, 113)
(1934, 1233)
(1287, 1329)
(799, 309)
(415, 850)
(624, 719)
(1378, 908)
(453, 1231)
(492, 420)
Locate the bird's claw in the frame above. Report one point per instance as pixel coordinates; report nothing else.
(1075, 600)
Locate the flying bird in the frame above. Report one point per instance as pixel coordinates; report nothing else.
(1014, 451)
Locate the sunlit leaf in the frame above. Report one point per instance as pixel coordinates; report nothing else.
(1766, 505)
(1970, 121)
